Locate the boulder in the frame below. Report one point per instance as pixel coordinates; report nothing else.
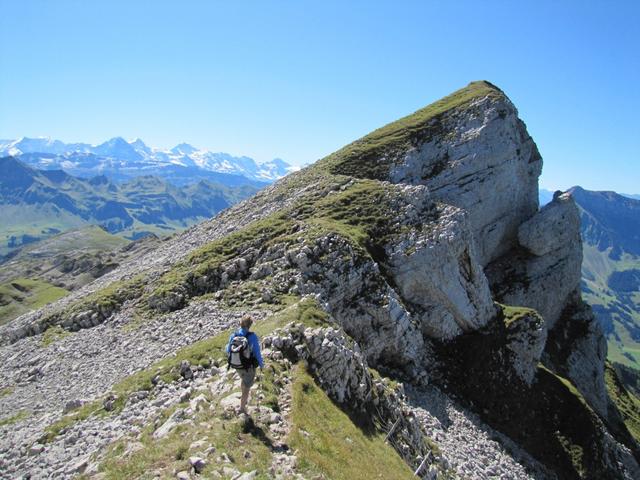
(73, 405)
(185, 370)
(197, 464)
(554, 227)
(173, 421)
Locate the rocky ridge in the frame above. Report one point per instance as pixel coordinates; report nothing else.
(402, 242)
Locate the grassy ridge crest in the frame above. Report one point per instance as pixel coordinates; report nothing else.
(369, 156)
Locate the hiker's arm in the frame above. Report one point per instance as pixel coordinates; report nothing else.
(256, 350)
(229, 342)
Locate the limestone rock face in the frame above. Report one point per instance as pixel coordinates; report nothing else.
(484, 162)
(544, 272)
(369, 310)
(585, 365)
(339, 365)
(436, 272)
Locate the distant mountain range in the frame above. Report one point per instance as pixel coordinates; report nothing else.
(610, 229)
(545, 196)
(121, 161)
(35, 204)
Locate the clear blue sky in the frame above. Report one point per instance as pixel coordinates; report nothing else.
(299, 79)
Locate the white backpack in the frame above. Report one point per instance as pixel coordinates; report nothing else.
(240, 354)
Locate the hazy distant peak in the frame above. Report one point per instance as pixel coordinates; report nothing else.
(183, 149)
(117, 147)
(115, 141)
(140, 146)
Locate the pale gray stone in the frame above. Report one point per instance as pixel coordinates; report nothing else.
(197, 463)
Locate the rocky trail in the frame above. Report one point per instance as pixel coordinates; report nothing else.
(81, 367)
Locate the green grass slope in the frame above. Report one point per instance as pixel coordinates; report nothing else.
(627, 403)
(22, 295)
(616, 310)
(610, 229)
(330, 444)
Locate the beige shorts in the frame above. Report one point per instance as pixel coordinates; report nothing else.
(247, 376)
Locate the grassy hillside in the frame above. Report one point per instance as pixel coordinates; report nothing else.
(610, 230)
(21, 225)
(22, 295)
(59, 264)
(616, 310)
(627, 403)
(330, 444)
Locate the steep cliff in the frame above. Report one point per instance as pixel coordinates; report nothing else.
(377, 271)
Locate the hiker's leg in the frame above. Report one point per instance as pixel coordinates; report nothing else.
(247, 376)
(243, 398)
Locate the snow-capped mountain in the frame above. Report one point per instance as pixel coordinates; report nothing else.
(123, 160)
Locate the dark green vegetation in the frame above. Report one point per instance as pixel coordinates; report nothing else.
(630, 378)
(39, 203)
(627, 403)
(550, 418)
(610, 228)
(372, 155)
(21, 295)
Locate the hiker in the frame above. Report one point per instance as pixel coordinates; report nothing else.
(244, 355)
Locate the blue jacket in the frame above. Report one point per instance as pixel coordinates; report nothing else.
(253, 343)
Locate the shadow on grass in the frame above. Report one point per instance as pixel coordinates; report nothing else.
(258, 433)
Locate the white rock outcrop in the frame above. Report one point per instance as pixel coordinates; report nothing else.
(484, 162)
(436, 272)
